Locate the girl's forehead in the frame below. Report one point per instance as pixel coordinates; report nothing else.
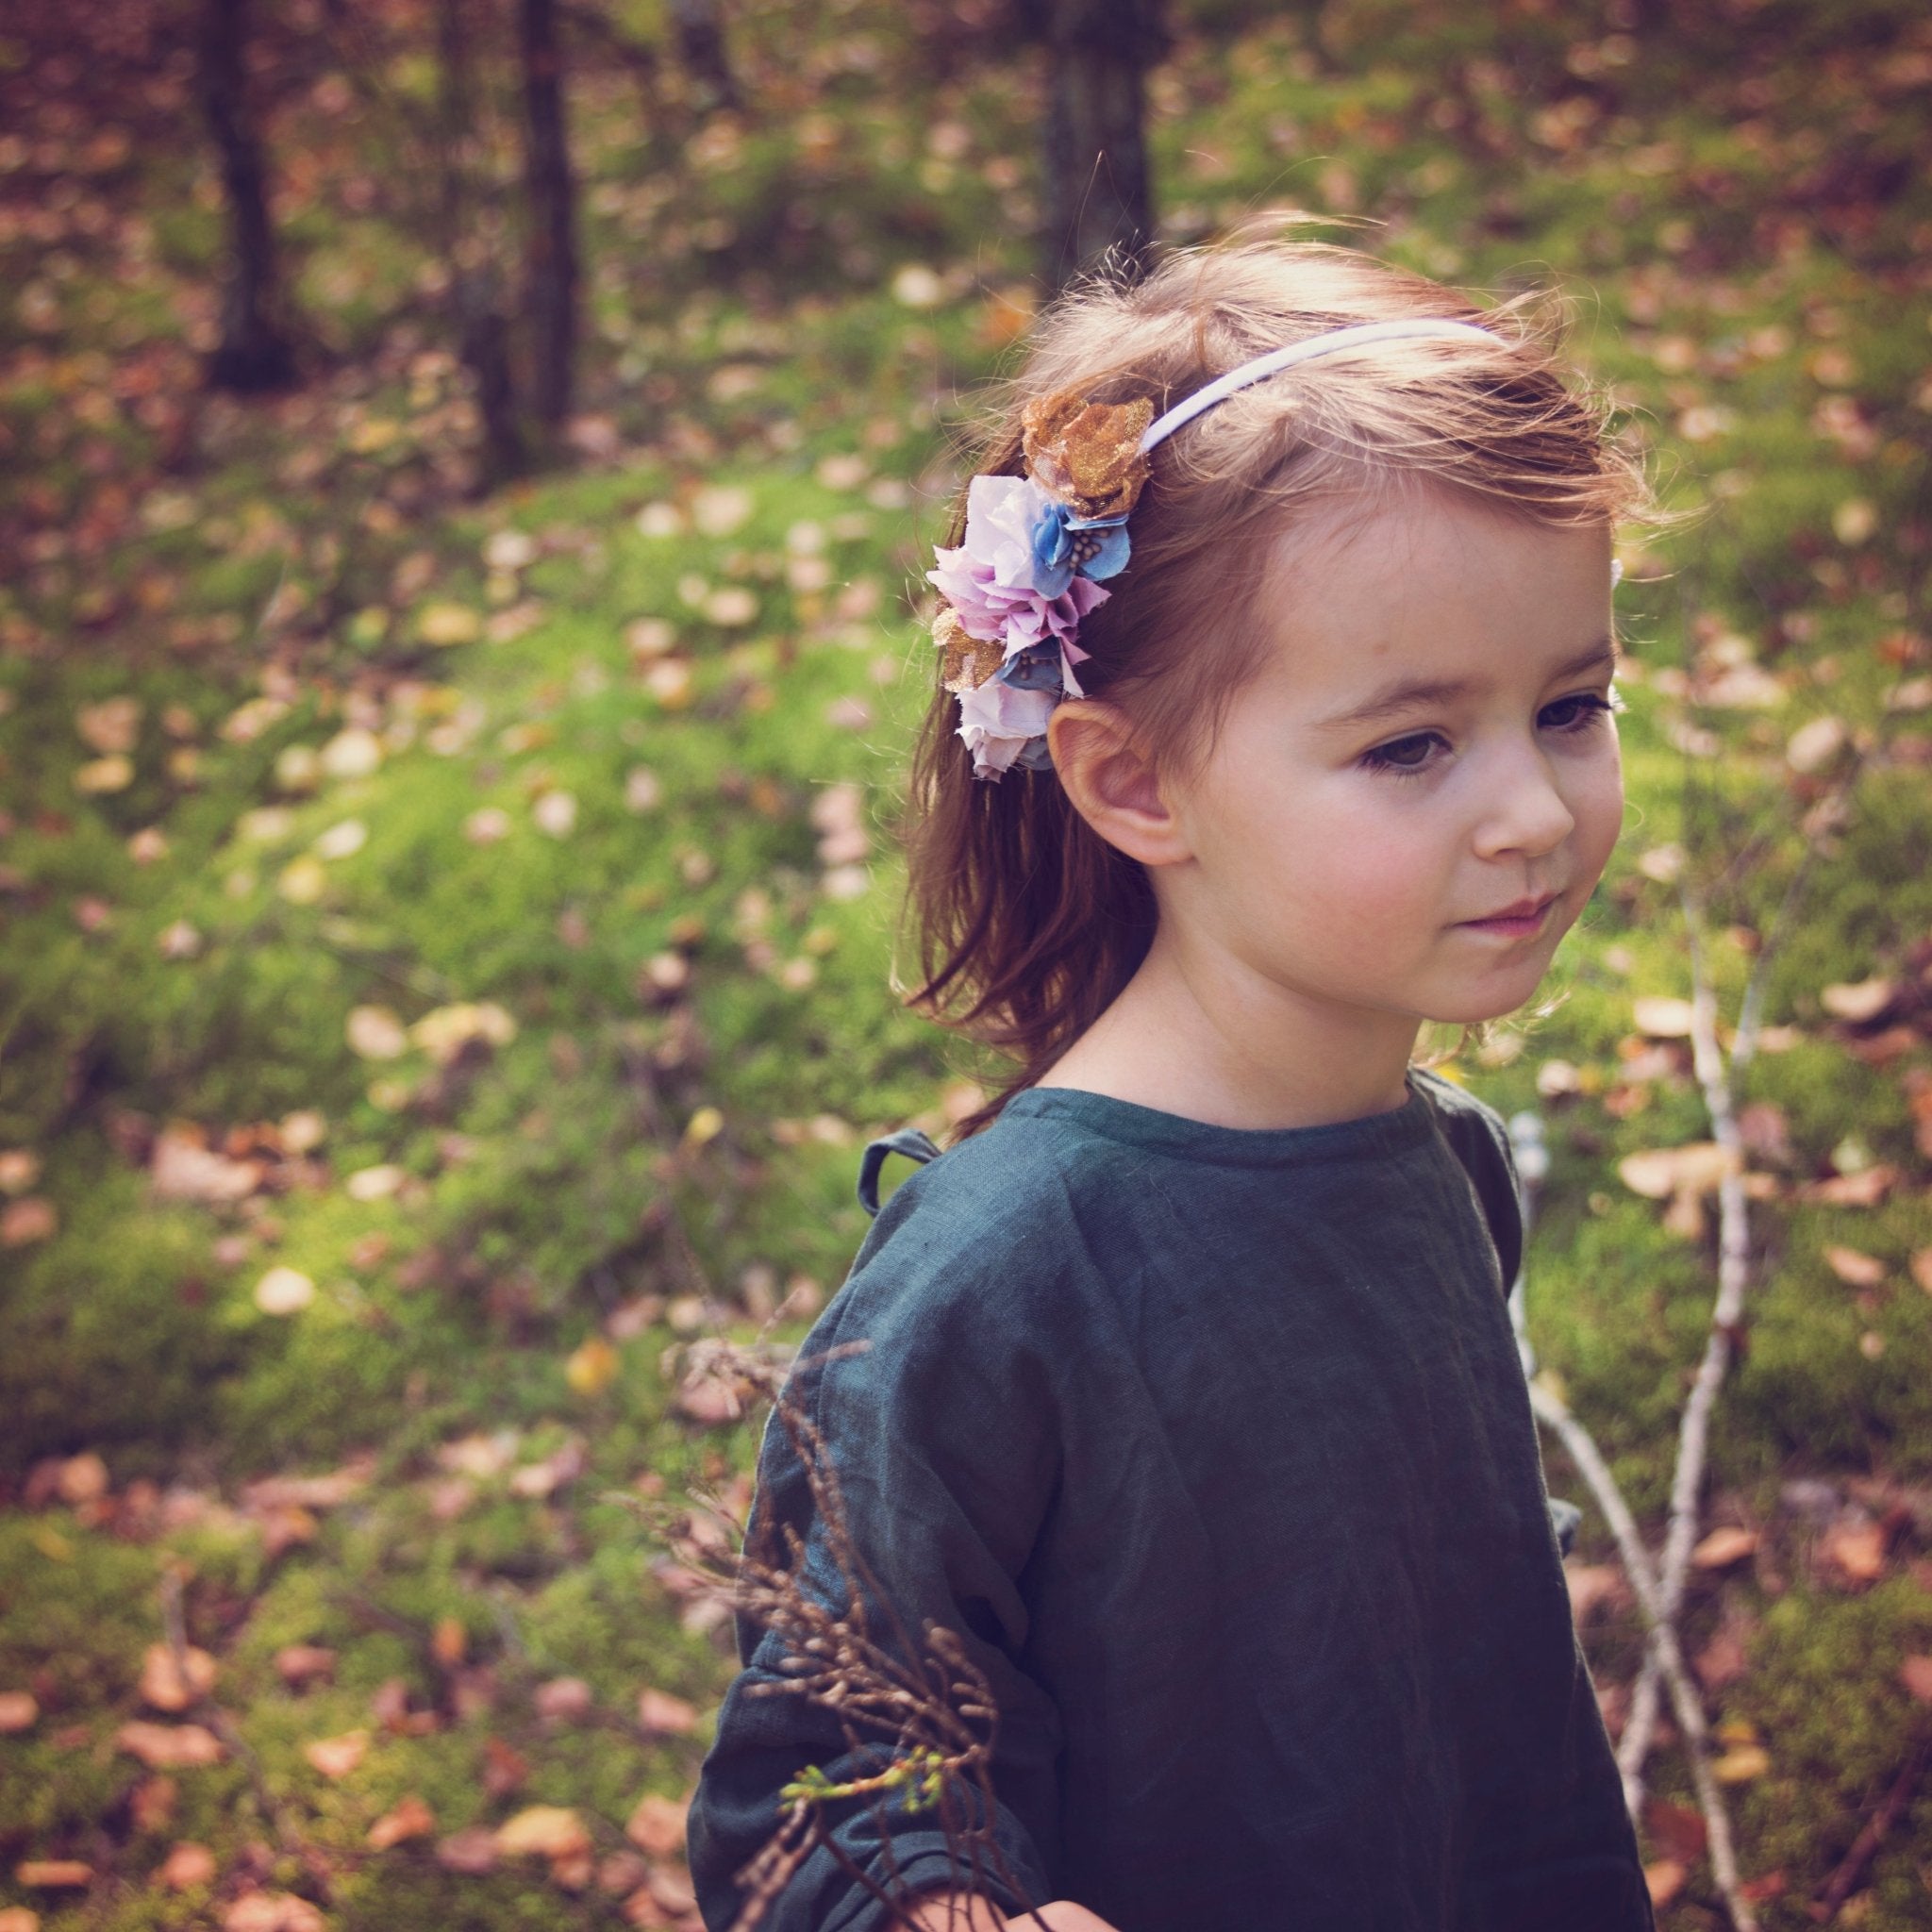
(1434, 585)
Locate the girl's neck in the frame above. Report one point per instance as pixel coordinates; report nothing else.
(1208, 1040)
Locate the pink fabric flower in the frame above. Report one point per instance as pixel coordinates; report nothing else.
(996, 720)
(991, 579)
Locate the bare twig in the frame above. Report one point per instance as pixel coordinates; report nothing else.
(1554, 1415)
(1850, 1869)
(1727, 1309)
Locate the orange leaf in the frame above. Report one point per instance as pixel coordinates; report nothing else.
(1723, 1547)
(337, 1757)
(669, 1716)
(167, 1747)
(173, 1684)
(550, 1831)
(407, 1818)
(656, 1825)
(187, 1866)
(1915, 1673)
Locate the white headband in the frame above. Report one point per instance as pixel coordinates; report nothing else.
(1330, 343)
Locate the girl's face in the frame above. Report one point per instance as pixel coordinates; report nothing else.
(1409, 805)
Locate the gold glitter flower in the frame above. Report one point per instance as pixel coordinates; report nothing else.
(1088, 454)
(966, 661)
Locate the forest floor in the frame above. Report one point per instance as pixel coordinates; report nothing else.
(447, 937)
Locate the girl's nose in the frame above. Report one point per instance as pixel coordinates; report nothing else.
(1525, 811)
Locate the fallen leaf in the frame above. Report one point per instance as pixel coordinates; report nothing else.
(99, 776)
(1590, 1584)
(1664, 1880)
(1696, 1167)
(170, 1683)
(1855, 1268)
(1858, 1549)
(504, 1768)
(337, 1757)
(1740, 1764)
(664, 1715)
(272, 1911)
(1663, 1017)
(54, 1874)
(1677, 1830)
(32, 1218)
(408, 1818)
(1860, 1003)
(284, 1292)
(444, 1032)
(19, 1919)
(181, 1167)
(1814, 745)
(18, 1711)
(187, 1866)
(550, 1831)
(352, 754)
(169, 1747)
(642, 1911)
(669, 1885)
(658, 1825)
(443, 624)
(1723, 1547)
(1915, 1673)
(375, 1033)
(620, 1873)
(304, 1664)
(449, 1643)
(591, 1367)
(472, 1851)
(563, 1700)
(152, 1803)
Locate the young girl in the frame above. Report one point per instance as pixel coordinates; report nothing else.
(1274, 720)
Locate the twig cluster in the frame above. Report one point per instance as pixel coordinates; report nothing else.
(919, 1720)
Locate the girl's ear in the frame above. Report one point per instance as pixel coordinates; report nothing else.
(1112, 781)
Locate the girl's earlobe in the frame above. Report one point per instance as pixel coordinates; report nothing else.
(1112, 782)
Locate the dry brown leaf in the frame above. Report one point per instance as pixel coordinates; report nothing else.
(1915, 1673)
(665, 1715)
(449, 1643)
(1858, 1549)
(1853, 1267)
(272, 1911)
(1665, 1879)
(20, 1710)
(669, 1885)
(658, 1825)
(152, 1803)
(1677, 1830)
(1922, 1268)
(563, 1700)
(409, 1817)
(337, 1757)
(1860, 1003)
(1865, 1188)
(54, 1874)
(186, 1866)
(1662, 1016)
(1696, 1167)
(19, 1919)
(1723, 1547)
(304, 1663)
(169, 1747)
(472, 1851)
(642, 1911)
(172, 1684)
(621, 1872)
(550, 1831)
(1740, 1764)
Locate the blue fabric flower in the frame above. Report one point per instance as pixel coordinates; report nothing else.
(1066, 545)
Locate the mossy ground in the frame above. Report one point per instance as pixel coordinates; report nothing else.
(594, 810)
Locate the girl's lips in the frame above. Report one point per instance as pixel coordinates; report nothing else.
(1518, 920)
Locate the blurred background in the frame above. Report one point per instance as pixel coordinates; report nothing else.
(468, 469)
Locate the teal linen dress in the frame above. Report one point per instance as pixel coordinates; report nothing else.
(1213, 1445)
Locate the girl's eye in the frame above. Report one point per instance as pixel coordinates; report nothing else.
(1579, 711)
(1407, 756)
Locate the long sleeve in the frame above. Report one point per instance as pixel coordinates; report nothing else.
(939, 1428)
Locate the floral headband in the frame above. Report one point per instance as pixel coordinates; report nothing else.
(1037, 548)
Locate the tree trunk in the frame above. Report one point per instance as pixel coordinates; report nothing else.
(254, 353)
(701, 50)
(475, 293)
(553, 248)
(1098, 195)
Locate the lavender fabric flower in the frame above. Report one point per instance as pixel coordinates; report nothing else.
(995, 579)
(996, 720)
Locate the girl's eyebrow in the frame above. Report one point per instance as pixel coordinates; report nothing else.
(1599, 661)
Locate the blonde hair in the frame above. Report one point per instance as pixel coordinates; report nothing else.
(1028, 923)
